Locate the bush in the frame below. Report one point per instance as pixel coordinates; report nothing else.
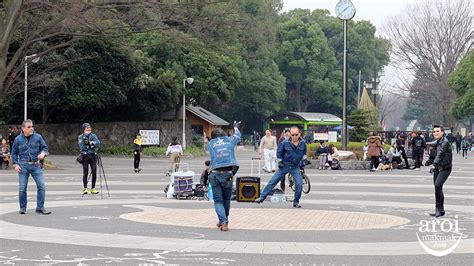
(151, 151)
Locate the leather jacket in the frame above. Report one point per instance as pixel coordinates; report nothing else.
(444, 154)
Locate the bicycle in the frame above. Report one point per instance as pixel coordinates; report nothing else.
(304, 177)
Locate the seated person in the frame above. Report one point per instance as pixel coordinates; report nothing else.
(394, 155)
(322, 153)
(204, 181)
(4, 154)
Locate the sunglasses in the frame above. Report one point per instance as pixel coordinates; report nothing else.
(294, 135)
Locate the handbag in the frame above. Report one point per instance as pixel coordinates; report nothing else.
(80, 158)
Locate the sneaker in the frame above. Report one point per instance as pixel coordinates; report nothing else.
(43, 211)
(86, 191)
(259, 200)
(94, 191)
(22, 211)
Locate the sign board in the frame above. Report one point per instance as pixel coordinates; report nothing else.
(321, 136)
(150, 137)
(332, 136)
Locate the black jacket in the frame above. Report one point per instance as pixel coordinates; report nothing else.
(444, 154)
(418, 144)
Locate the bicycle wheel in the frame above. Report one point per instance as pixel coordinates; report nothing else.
(291, 183)
(306, 184)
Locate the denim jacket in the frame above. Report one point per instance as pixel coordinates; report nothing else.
(94, 143)
(25, 151)
(222, 150)
(290, 154)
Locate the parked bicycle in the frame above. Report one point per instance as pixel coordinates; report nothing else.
(304, 177)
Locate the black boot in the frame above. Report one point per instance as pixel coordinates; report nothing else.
(437, 213)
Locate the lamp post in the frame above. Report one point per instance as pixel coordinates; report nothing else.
(189, 81)
(34, 59)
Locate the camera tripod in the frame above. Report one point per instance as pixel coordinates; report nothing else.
(101, 174)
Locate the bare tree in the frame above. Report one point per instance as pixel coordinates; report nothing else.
(430, 38)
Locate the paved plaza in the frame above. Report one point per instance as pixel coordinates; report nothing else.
(349, 217)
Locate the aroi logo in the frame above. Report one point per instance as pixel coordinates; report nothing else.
(439, 237)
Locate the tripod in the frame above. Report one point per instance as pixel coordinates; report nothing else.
(101, 175)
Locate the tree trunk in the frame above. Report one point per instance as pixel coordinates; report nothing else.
(45, 107)
(3, 80)
(298, 97)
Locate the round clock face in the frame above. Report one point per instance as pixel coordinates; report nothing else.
(345, 10)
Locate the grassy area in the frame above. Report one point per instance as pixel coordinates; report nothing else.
(356, 147)
(148, 151)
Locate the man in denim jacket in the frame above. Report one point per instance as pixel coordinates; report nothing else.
(290, 154)
(222, 151)
(28, 149)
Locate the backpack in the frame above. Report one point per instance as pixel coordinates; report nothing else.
(335, 164)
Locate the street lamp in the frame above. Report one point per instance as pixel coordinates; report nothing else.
(34, 59)
(189, 81)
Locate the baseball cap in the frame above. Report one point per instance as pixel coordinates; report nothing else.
(86, 125)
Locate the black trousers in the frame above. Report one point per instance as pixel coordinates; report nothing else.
(89, 159)
(418, 157)
(374, 162)
(404, 156)
(464, 152)
(136, 159)
(458, 147)
(439, 177)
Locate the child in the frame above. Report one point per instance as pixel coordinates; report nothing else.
(176, 152)
(137, 149)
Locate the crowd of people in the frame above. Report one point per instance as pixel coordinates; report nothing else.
(416, 144)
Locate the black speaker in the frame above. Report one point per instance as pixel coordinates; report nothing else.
(248, 188)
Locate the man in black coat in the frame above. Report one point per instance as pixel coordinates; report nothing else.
(442, 163)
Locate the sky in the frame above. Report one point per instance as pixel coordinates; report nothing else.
(376, 11)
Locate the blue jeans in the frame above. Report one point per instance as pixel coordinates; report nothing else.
(280, 175)
(37, 174)
(221, 184)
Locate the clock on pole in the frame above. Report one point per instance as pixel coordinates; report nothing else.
(345, 10)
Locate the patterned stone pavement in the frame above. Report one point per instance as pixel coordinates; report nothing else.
(349, 217)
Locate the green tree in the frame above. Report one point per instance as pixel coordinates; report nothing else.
(307, 62)
(91, 88)
(462, 82)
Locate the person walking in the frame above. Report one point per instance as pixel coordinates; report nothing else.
(29, 148)
(458, 139)
(223, 161)
(418, 145)
(89, 145)
(375, 148)
(176, 151)
(442, 163)
(267, 148)
(137, 150)
(465, 146)
(290, 155)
